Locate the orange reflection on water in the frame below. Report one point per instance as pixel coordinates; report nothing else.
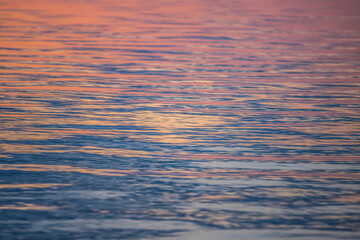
(175, 122)
(348, 199)
(27, 206)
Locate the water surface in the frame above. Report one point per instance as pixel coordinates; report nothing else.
(179, 119)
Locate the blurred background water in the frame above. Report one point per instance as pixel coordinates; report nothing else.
(201, 119)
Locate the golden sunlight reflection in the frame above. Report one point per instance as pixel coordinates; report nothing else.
(172, 123)
(27, 206)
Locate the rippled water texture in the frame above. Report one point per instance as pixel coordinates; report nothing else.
(187, 120)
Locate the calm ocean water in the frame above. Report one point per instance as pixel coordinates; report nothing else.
(180, 120)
